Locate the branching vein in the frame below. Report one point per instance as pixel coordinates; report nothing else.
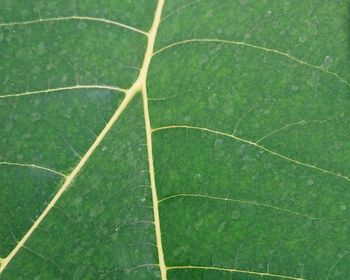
(69, 179)
(302, 122)
(238, 201)
(60, 89)
(32, 166)
(261, 274)
(243, 44)
(138, 86)
(143, 76)
(337, 174)
(53, 19)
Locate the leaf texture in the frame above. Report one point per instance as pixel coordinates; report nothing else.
(174, 139)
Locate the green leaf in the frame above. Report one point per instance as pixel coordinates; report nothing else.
(178, 140)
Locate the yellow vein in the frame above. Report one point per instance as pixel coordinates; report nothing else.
(261, 274)
(302, 122)
(69, 179)
(239, 43)
(32, 166)
(138, 85)
(238, 201)
(253, 144)
(53, 90)
(42, 20)
(149, 54)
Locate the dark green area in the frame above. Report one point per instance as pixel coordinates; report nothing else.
(54, 130)
(46, 132)
(241, 234)
(138, 13)
(316, 31)
(251, 92)
(280, 206)
(24, 193)
(102, 227)
(65, 53)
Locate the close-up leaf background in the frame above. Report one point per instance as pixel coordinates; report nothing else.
(174, 139)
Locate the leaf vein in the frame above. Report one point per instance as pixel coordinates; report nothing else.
(337, 174)
(53, 19)
(194, 195)
(59, 89)
(235, 270)
(243, 44)
(30, 165)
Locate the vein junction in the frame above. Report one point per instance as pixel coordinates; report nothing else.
(255, 144)
(138, 86)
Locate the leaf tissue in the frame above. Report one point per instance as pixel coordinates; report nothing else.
(175, 139)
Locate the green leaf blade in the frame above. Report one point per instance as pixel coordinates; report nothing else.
(210, 144)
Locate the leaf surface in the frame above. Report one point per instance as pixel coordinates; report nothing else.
(174, 139)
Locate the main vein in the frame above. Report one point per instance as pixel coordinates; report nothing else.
(138, 86)
(155, 201)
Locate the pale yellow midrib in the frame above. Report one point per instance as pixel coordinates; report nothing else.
(155, 201)
(138, 86)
